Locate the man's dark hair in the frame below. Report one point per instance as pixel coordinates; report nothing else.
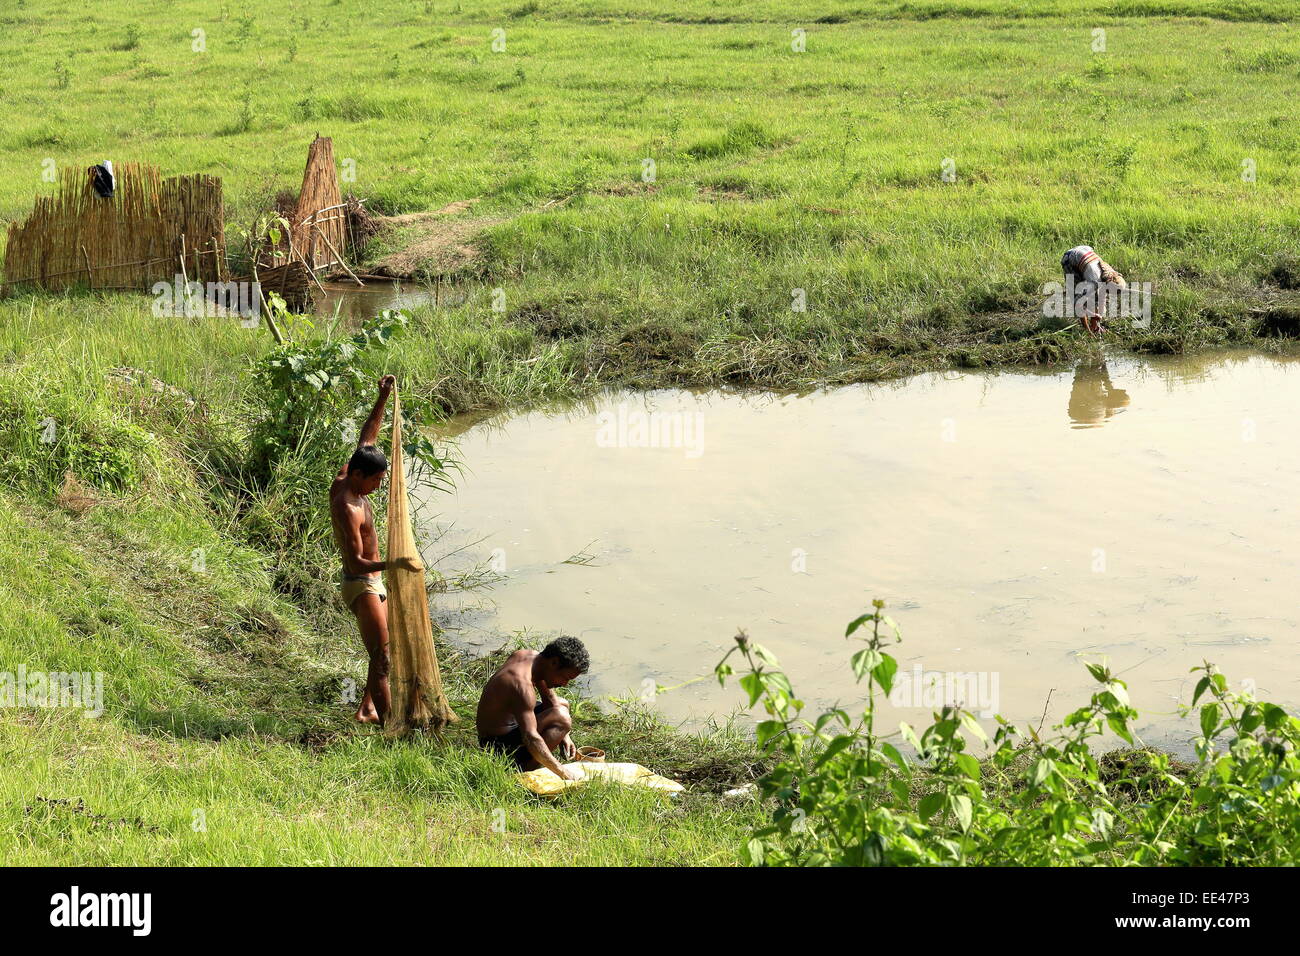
(368, 460)
(568, 652)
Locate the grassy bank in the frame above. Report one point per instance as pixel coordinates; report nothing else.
(226, 736)
(776, 174)
(225, 703)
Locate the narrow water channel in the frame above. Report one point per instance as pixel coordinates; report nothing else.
(356, 303)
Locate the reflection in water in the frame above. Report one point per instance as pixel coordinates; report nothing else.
(1093, 398)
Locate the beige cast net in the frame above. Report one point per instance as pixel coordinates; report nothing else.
(418, 701)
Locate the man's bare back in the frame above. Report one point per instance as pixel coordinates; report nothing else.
(508, 691)
(513, 721)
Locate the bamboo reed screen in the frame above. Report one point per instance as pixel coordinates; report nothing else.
(151, 230)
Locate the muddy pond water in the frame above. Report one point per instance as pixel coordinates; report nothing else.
(355, 304)
(1138, 511)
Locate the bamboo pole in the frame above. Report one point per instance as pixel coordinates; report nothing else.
(266, 309)
(341, 262)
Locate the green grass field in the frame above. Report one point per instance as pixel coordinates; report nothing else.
(773, 171)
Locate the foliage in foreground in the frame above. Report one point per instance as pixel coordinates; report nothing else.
(843, 794)
(312, 397)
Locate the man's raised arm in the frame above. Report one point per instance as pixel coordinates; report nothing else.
(370, 430)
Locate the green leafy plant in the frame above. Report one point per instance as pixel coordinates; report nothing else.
(841, 793)
(313, 396)
(132, 39)
(1243, 808)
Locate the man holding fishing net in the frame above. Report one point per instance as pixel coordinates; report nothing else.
(511, 720)
(362, 587)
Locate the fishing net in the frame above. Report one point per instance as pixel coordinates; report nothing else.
(418, 701)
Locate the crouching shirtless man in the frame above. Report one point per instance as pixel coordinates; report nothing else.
(511, 719)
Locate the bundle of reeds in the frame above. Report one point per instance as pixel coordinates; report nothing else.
(360, 225)
(318, 223)
(152, 229)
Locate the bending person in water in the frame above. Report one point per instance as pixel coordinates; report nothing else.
(353, 521)
(1093, 280)
(513, 721)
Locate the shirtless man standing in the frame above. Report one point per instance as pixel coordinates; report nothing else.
(354, 533)
(513, 721)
